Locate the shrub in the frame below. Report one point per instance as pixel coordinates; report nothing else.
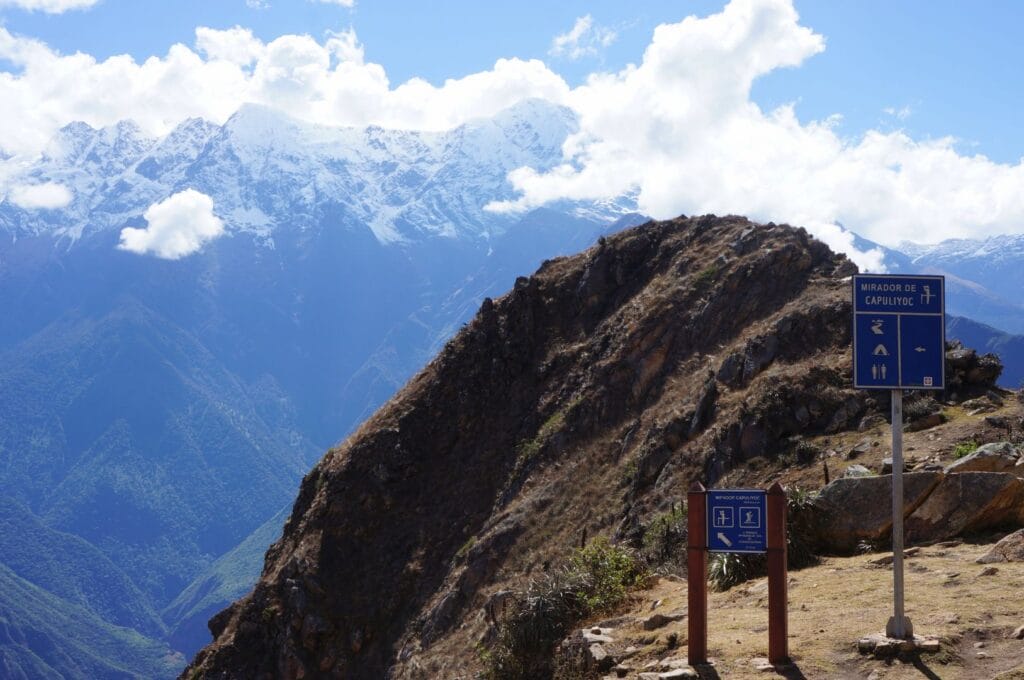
(726, 570)
(707, 275)
(665, 535)
(802, 521)
(604, 573)
(594, 579)
(964, 448)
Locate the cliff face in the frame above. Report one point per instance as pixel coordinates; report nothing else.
(580, 403)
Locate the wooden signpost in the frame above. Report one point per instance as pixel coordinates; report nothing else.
(743, 521)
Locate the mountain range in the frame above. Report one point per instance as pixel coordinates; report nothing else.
(157, 416)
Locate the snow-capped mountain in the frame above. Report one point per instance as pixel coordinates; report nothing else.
(144, 396)
(985, 276)
(265, 170)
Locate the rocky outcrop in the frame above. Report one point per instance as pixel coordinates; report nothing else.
(1009, 549)
(994, 457)
(859, 509)
(965, 503)
(937, 506)
(968, 374)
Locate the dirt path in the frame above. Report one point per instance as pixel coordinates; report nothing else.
(835, 604)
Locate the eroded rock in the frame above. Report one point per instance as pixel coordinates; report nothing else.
(967, 502)
(856, 509)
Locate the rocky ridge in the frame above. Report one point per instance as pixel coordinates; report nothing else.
(582, 403)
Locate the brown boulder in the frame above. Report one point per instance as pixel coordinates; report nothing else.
(967, 502)
(995, 457)
(855, 509)
(1010, 549)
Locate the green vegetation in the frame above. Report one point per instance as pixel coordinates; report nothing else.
(58, 638)
(593, 580)
(965, 448)
(665, 536)
(629, 472)
(226, 580)
(461, 553)
(707, 275)
(70, 568)
(527, 450)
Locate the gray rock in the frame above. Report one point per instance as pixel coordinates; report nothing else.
(967, 502)
(870, 421)
(995, 457)
(656, 621)
(886, 468)
(998, 421)
(858, 509)
(1010, 549)
(858, 471)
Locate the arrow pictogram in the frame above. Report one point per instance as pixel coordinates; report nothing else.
(722, 537)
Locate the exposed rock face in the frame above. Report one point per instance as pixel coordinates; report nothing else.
(936, 506)
(994, 457)
(856, 509)
(968, 502)
(582, 402)
(1009, 549)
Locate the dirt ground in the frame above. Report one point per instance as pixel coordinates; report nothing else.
(834, 604)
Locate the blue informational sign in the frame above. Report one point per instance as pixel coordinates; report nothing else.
(899, 332)
(737, 520)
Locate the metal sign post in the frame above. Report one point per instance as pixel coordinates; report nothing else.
(899, 625)
(899, 342)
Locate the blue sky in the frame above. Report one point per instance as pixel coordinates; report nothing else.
(951, 68)
(897, 120)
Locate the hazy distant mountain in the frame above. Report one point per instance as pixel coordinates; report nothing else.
(983, 338)
(985, 277)
(163, 411)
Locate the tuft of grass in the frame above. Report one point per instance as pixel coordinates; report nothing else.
(707, 275)
(528, 449)
(965, 448)
(461, 553)
(726, 570)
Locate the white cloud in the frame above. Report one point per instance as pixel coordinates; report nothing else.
(178, 226)
(345, 46)
(48, 196)
(679, 128)
(583, 39)
(343, 3)
(48, 6)
(235, 45)
(901, 113)
(326, 83)
(257, 4)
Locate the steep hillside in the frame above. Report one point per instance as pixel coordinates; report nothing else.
(44, 636)
(580, 403)
(227, 579)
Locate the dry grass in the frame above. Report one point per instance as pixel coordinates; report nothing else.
(844, 599)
